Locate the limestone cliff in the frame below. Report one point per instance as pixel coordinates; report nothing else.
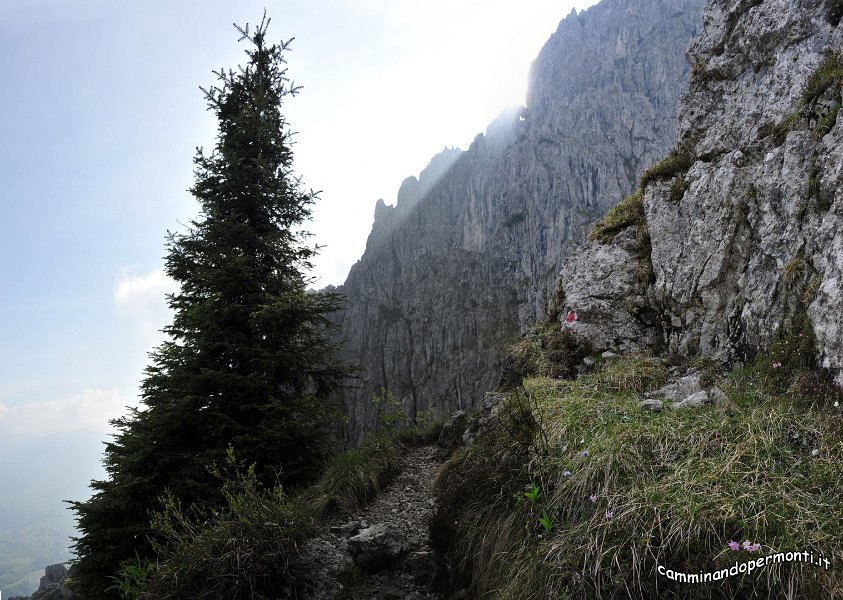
(746, 236)
(469, 254)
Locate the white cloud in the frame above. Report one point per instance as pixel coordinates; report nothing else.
(90, 409)
(143, 299)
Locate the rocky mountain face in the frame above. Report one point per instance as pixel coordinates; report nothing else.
(745, 219)
(469, 255)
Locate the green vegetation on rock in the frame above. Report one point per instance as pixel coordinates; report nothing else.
(630, 212)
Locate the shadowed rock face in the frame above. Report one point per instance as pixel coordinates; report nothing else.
(755, 240)
(470, 253)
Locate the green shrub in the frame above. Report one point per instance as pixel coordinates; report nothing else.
(678, 161)
(827, 74)
(827, 121)
(678, 189)
(355, 476)
(241, 551)
(793, 269)
(549, 351)
(811, 290)
(131, 581)
(791, 354)
(630, 212)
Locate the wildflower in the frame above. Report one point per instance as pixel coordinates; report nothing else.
(754, 548)
(836, 404)
(593, 499)
(566, 473)
(584, 453)
(610, 514)
(777, 365)
(733, 545)
(571, 317)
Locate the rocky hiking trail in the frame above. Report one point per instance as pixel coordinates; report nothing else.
(388, 542)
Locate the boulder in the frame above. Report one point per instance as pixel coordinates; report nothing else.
(452, 433)
(652, 404)
(695, 400)
(377, 547)
(680, 389)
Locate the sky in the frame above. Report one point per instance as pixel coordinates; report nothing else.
(100, 118)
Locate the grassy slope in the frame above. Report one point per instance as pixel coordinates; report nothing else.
(628, 490)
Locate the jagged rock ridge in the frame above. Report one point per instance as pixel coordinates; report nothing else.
(749, 239)
(469, 255)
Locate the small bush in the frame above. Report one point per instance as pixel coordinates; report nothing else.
(131, 581)
(355, 476)
(793, 353)
(678, 161)
(678, 189)
(811, 290)
(827, 74)
(630, 212)
(827, 121)
(241, 551)
(550, 351)
(793, 269)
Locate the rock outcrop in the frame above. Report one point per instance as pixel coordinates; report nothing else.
(747, 241)
(468, 256)
(51, 586)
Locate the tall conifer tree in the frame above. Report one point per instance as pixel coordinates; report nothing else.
(246, 363)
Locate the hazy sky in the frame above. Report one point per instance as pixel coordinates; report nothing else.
(100, 115)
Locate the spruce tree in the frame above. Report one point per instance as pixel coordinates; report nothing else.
(246, 363)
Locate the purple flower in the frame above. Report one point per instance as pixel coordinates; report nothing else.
(733, 545)
(746, 544)
(567, 473)
(593, 498)
(754, 548)
(610, 514)
(584, 453)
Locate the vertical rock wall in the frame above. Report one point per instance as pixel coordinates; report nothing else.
(749, 239)
(470, 254)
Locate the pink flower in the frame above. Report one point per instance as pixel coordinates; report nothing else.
(571, 317)
(754, 548)
(733, 545)
(610, 514)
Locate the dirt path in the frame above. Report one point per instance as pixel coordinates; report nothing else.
(389, 541)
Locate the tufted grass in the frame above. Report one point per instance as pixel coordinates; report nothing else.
(352, 478)
(672, 489)
(629, 212)
(827, 74)
(675, 163)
